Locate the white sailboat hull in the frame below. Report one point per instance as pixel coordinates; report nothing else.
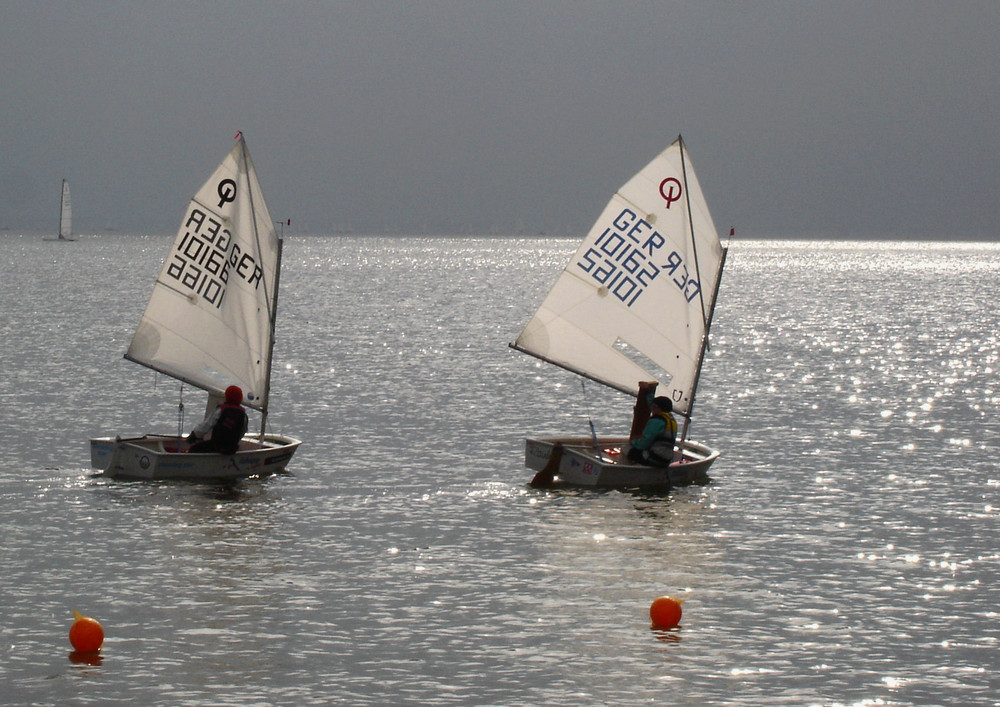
(580, 465)
(161, 457)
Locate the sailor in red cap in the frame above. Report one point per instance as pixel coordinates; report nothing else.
(222, 430)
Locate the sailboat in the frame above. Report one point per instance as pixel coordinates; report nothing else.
(210, 323)
(65, 216)
(632, 311)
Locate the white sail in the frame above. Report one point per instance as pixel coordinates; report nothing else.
(635, 301)
(65, 213)
(209, 320)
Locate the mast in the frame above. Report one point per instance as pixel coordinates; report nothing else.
(270, 348)
(704, 343)
(706, 316)
(694, 243)
(273, 299)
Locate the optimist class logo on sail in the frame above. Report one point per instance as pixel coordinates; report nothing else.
(206, 254)
(621, 259)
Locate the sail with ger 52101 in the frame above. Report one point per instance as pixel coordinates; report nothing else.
(635, 301)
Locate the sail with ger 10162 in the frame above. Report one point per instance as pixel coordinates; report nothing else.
(210, 323)
(208, 320)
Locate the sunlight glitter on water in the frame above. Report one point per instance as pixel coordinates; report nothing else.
(844, 552)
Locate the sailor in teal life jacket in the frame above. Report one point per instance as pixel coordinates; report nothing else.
(656, 446)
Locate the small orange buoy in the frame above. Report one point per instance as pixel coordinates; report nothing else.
(86, 634)
(665, 612)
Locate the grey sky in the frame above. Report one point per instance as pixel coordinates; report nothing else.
(838, 119)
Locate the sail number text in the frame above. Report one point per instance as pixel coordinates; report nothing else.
(621, 259)
(206, 255)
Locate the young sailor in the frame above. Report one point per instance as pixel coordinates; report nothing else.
(222, 430)
(656, 445)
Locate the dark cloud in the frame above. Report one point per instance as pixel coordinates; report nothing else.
(834, 119)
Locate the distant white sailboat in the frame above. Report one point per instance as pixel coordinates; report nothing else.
(634, 304)
(65, 216)
(210, 323)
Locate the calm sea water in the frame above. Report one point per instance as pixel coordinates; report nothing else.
(845, 551)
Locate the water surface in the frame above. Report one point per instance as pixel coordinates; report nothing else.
(843, 553)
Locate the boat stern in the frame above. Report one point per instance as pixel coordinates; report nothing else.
(101, 451)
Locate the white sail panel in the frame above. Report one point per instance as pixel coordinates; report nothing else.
(209, 318)
(65, 212)
(634, 302)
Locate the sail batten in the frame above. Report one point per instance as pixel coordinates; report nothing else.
(646, 274)
(209, 318)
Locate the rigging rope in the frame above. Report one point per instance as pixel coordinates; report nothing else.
(586, 406)
(180, 413)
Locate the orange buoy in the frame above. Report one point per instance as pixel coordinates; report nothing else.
(665, 612)
(86, 634)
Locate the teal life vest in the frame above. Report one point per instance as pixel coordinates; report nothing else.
(662, 448)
